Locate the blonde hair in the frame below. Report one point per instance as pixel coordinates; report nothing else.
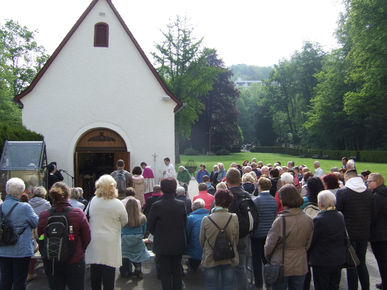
(247, 177)
(135, 217)
(106, 187)
(221, 185)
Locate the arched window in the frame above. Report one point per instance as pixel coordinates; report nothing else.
(101, 35)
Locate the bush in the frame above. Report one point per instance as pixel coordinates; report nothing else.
(364, 156)
(12, 132)
(222, 152)
(191, 151)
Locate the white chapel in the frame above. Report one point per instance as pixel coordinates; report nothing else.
(98, 99)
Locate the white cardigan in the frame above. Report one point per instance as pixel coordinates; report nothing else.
(107, 217)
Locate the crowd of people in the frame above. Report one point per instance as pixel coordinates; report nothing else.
(293, 216)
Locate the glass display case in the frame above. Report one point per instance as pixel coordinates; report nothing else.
(26, 160)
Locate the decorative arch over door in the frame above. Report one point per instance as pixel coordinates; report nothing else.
(96, 153)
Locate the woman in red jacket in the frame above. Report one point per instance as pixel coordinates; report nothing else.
(72, 272)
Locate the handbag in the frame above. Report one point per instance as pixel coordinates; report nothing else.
(274, 274)
(352, 261)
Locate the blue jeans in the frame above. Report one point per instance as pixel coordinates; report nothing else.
(360, 272)
(14, 273)
(240, 269)
(291, 283)
(219, 278)
(72, 275)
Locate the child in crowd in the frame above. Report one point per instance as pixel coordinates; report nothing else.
(133, 248)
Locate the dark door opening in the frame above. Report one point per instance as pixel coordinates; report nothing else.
(90, 167)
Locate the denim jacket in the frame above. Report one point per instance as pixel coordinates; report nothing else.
(23, 216)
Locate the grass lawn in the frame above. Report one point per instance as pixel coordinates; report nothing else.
(326, 165)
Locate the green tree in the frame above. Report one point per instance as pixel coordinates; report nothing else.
(21, 58)
(217, 127)
(327, 123)
(289, 89)
(363, 33)
(182, 64)
(247, 105)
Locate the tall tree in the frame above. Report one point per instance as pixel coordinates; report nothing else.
(21, 58)
(182, 64)
(363, 33)
(217, 127)
(289, 89)
(327, 123)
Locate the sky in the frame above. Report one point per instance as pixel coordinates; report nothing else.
(253, 32)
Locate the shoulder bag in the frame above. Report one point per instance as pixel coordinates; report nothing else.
(352, 260)
(274, 274)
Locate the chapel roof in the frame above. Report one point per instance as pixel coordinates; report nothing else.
(18, 98)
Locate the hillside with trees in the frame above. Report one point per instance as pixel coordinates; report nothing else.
(332, 100)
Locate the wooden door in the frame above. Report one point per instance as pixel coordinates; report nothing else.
(124, 156)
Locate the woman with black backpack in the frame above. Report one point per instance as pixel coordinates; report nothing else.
(219, 234)
(63, 235)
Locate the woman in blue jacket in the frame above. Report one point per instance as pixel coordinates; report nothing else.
(15, 259)
(194, 220)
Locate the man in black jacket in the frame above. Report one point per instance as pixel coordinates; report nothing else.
(233, 178)
(166, 222)
(355, 201)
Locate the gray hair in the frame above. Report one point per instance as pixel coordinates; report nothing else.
(350, 164)
(180, 191)
(326, 199)
(287, 178)
(75, 194)
(15, 186)
(39, 191)
(198, 203)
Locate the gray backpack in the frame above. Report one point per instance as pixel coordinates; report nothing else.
(121, 181)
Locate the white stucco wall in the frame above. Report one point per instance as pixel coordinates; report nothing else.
(88, 87)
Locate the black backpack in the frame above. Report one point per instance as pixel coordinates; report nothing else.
(222, 249)
(247, 215)
(58, 243)
(7, 234)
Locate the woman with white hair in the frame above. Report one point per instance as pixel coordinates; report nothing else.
(74, 198)
(286, 178)
(38, 202)
(183, 177)
(181, 194)
(327, 252)
(15, 259)
(107, 217)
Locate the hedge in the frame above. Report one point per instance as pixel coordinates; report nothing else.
(364, 156)
(16, 132)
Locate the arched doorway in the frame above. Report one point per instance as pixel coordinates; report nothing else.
(96, 153)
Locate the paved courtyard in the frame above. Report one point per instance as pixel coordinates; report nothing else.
(191, 280)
